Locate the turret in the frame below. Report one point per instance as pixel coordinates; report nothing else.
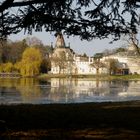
(60, 43)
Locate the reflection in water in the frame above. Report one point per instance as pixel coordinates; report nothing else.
(19, 90)
(55, 90)
(28, 89)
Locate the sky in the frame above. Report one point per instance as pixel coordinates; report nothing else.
(79, 46)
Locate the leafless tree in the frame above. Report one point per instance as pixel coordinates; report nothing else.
(134, 41)
(97, 64)
(112, 65)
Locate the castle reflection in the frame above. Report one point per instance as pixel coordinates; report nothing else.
(65, 90)
(85, 89)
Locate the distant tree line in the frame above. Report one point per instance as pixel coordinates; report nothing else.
(26, 58)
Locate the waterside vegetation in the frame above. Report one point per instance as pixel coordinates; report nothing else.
(26, 58)
(99, 77)
(30, 58)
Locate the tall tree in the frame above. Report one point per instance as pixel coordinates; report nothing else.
(112, 65)
(134, 42)
(45, 52)
(45, 65)
(7, 67)
(86, 18)
(12, 51)
(16, 50)
(1, 52)
(31, 61)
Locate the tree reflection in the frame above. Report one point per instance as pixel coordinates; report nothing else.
(55, 90)
(8, 82)
(22, 89)
(29, 89)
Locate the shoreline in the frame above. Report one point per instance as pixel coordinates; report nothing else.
(108, 120)
(74, 76)
(99, 77)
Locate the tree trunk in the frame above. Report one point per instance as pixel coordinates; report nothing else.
(97, 71)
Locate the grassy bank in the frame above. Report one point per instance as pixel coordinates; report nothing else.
(72, 121)
(100, 77)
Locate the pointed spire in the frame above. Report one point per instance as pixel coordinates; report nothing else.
(60, 43)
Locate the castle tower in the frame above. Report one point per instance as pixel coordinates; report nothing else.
(60, 43)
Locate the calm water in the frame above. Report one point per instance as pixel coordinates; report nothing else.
(15, 91)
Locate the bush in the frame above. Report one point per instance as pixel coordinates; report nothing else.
(8, 67)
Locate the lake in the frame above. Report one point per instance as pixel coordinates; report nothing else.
(55, 90)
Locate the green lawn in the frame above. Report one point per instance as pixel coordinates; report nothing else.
(100, 77)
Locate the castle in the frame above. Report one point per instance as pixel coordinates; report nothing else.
(65, 61)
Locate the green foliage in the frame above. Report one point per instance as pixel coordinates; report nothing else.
(7, 67)
(45, 65)
(86, 18)
(13, 52)
(1, 68)
(85, 55)
(30, 63)
(98, 55)
(17, 66)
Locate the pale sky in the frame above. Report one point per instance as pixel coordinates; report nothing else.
(79, 46)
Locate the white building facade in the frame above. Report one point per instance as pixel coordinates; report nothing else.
(130, 59)
(65, 61)
(73, 63)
